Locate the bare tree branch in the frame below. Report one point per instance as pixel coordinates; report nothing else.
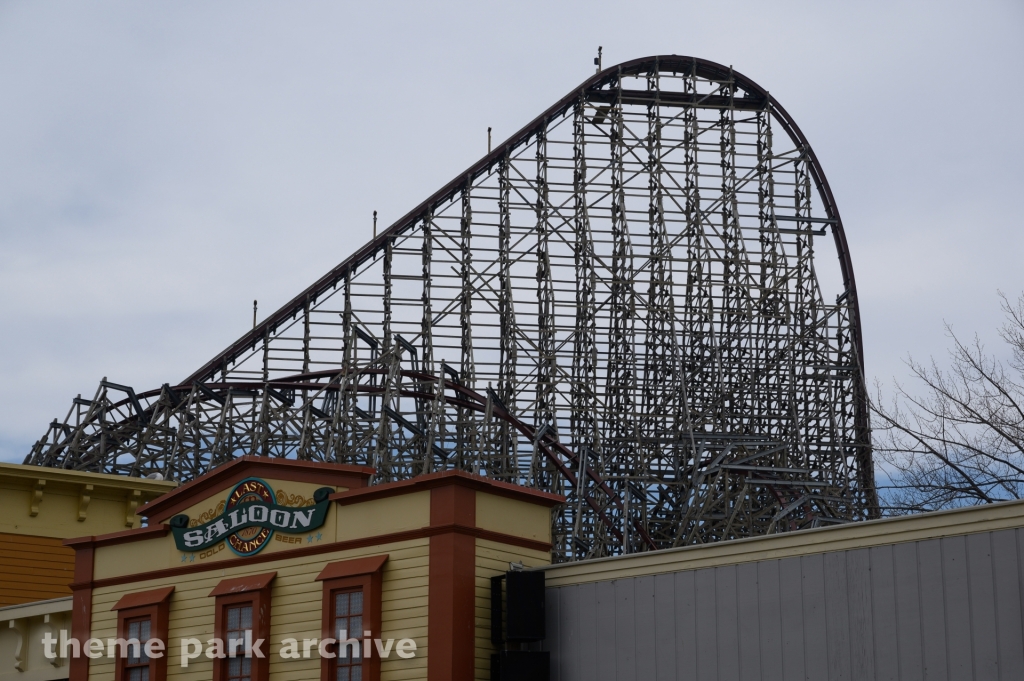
(959, 440)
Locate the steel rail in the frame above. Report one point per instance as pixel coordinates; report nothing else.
(665, 64)
(726, 362)
(470, 400)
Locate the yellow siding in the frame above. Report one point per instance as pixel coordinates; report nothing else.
(58, 509)
(383, 516)
(132, 557)
(57, 513)
(295, 611)
(492, 558)
(343, 523)
(513, 517)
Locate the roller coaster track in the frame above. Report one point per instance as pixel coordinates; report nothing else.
(621, 304)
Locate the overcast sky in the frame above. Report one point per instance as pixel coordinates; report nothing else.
(163, 164)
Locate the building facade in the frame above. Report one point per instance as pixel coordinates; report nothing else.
(39, 509)
(931, 596)
(320, 575)
(296, 550)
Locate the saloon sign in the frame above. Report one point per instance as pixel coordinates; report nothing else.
(250, 518)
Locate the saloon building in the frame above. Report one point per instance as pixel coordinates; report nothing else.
(300, 550)
(448, 577)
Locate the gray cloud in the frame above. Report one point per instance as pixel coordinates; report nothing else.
(162, 165)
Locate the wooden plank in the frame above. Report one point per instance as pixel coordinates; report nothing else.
(883, 613)
(414, 669)
(958, 607)
(812, 570)
(299, 670)
(7, 539)
(625, 630)
(46, 561)
(294, 670)
(770, 618)
(402, 586)
(686, 625)
(984, 633)
(727, 612)
(42, 582)
(19, 596)
(42, 548)
(858, 584)
(908, 612)
(504, 553)
(749, 634)
(664, 628)
(402, 598)
(408, 599)
(837, 616)
(414, 628)
(1006, 569)
(407, 569)
(301, 592)
(24, 593)
(707, 624)
(34, 568)
(791, 590)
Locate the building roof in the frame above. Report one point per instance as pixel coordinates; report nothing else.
(461, 478)
(328, 474)
(54, 477)
(908, 528)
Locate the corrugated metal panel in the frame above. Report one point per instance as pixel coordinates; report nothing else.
(1009, 572)
(947, 608)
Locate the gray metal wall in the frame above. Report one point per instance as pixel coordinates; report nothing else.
(939, 609)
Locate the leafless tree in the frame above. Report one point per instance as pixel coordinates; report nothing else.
(959, 439)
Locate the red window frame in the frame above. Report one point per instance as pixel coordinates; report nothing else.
(357, 633)
(361, 574)
(151, 605)
(253, 591)
(131, 663)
